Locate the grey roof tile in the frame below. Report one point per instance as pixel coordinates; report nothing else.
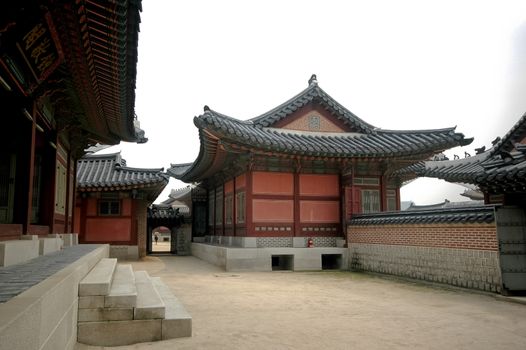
(107, 171)
(258, 134)
(476, 214)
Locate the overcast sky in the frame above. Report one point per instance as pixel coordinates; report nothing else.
(395, 64)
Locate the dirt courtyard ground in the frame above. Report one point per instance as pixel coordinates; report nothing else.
(329, 310)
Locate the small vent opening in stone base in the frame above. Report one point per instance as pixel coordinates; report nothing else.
(331, 261)
(282, 262)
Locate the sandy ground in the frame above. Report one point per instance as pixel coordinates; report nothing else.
(329, 310)
(161, 247)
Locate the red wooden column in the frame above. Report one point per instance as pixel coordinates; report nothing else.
(234, 219)
(383, 193)
(398, 198)
(223, 206)
(343, 205)
(53, 194)
(296, 196)
(68, 221)
(31, 172)
(73, 178)
(248, 205)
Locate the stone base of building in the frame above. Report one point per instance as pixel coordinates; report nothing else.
(271, 242)
(124, 252)
(45, 315)
(272, 258)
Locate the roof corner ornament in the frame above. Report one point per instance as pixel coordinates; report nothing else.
(480, 150)
(206, 108)
(455, 156)
(494, 142)
(313, 80)
(467, 155)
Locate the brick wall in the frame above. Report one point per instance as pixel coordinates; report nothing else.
(458, 236)
(460, 254)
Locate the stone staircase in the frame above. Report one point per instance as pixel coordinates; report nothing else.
(118, 306)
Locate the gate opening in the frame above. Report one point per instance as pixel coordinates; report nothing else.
(161, 240)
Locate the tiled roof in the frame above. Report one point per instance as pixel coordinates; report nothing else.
(162, 212)
(108, 172)
(500, 169)
(312, 94)
(179, 169)
(445, 205)
(478, 214)
(504, 171)
(100, 40)
(220, 133)
(516, 134)
(374, 143)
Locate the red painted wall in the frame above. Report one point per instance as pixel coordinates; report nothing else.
(272, 210)
(319, 185)
(272, 183)
(229, 186)
(76, 223)
(319, 211)
(105, 229)
(108, 230)
(241, 181)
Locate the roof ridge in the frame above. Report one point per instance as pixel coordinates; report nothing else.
(92, 156)
(268, 118)
(149, 170)
(507, 142)
(421, 131)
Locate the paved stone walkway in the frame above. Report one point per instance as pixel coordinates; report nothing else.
(17, 278)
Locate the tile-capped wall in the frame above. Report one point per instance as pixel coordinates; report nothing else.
(469, 268)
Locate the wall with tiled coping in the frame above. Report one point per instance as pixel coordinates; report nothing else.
(459, 250)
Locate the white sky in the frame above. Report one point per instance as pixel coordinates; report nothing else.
(395, 64)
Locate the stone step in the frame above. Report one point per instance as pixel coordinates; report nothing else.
(116, 333)
(149, 303)
(177, 321)
(98, 280)
(105, 314)
(123, 292)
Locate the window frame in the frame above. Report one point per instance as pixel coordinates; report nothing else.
(369, 205)
(110, 210)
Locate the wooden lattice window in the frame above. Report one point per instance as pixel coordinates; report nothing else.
(240, 207)
(370, 201)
